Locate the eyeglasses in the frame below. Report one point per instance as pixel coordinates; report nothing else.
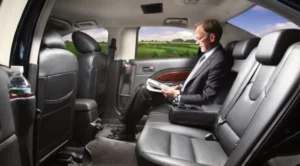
(201, 38)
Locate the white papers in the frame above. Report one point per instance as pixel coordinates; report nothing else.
(155, 86)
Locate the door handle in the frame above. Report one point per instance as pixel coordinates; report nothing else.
(148, 69)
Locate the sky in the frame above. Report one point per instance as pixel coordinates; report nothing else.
(256, 20)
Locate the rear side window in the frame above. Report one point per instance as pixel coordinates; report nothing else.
(165, 42)
(261, 21)
(99, 34)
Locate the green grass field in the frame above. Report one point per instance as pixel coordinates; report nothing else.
(165, 50)
(153, 49)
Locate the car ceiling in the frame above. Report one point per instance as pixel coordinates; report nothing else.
(128, 13)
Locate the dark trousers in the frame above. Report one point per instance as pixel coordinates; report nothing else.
(139, 104)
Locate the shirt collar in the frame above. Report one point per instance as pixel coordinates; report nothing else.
(210, 52)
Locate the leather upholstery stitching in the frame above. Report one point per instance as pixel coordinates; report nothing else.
(59, 100)
(170, 145)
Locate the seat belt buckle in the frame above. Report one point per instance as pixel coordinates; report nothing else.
(210, 137)
(221, 121)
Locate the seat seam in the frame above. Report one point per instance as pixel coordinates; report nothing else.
(176, 133)
(60, 99)
(170, 157)
(193, 150)
(170, 145)
(54, 111)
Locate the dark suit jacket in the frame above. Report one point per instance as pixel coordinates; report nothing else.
(207, 81)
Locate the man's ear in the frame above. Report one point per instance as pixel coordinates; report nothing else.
(212, 37)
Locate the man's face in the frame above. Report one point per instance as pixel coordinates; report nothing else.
(203, 39)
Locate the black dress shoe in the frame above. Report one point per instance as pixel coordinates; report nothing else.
(123, 135)
(115, 131)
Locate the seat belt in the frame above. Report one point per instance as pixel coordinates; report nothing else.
(111, 50)
(222, 117)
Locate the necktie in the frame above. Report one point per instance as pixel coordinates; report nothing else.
(201, 59)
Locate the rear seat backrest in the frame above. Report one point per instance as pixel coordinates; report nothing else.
(243, 49)
(230, 46)
(234, 134)
(279, 89)
(239, 50)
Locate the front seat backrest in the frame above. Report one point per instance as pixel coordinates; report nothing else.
(9, 149)
(92, 69)
(57, 83)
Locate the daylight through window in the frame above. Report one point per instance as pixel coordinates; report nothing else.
(166, 42)
(260, 21)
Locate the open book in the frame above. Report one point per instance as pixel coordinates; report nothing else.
(155, 86)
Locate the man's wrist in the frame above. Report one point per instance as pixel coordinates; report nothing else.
(177, 98)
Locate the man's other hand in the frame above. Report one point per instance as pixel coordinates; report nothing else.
(170, 93)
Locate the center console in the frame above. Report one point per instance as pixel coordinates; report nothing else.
(87, 123)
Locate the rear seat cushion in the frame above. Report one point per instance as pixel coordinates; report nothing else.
(167, 144)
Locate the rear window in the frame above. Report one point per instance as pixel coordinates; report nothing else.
(99, 34)
(165, 42)
(260, 21)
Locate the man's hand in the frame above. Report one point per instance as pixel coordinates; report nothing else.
(170, 93)
(176, 87)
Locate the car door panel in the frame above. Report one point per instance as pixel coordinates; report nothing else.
(169, 71)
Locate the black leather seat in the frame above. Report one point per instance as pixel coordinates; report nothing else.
(239, 50)
(57, 83)
(229, 47)
(93, 66)
(9, 148)
(239, 130)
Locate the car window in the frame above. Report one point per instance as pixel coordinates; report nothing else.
(165, 42)
(261, 21)
(99, 34)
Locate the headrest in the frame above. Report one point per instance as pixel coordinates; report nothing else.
(52, 39)
(85, 43)
(230, 46)
(243, 48)
(272, 46)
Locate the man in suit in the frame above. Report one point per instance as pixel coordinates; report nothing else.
(200, 88)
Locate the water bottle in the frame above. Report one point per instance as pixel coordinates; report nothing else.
(19, 86)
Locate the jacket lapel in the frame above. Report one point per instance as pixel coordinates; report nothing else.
(201, 68)
(205, 64)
